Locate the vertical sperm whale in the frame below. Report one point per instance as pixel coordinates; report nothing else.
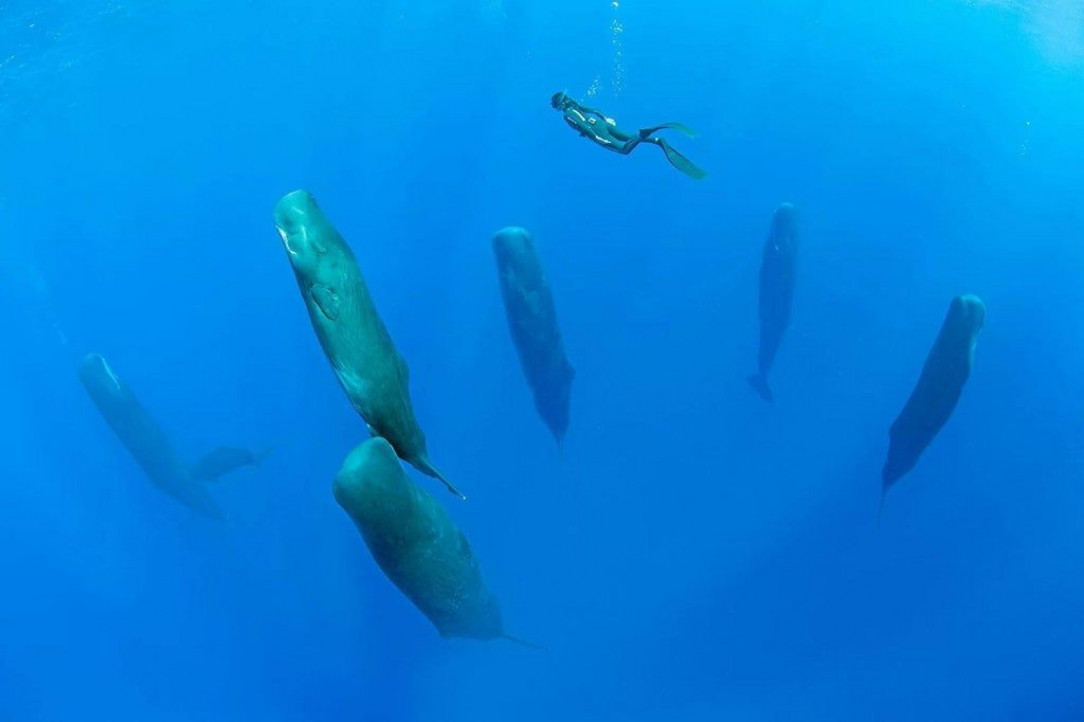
(370, 370)
(532, 321)
(776, 293)
(416, 544)
(142, 436)
(934, 398)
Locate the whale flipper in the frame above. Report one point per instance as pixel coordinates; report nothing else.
(524, 642)
(224, 460)
(425, 466)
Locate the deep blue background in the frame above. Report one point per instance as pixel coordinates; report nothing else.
(695, 554)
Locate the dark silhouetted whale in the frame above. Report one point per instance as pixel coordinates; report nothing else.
(532, 321)
(776, 293)
(938, 389)
(142, 436)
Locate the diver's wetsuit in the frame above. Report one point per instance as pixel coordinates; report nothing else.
(596, 127)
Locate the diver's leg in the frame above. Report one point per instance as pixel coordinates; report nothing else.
(626, 147)
(630, 145)
(623, 142)
(617, 140)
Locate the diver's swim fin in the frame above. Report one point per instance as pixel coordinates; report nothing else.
(680, 162)
(684, 129)
(648, 132)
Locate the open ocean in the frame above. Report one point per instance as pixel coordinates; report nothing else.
(688, 552)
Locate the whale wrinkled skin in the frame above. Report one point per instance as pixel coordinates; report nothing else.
(416, 544)
(777, 271)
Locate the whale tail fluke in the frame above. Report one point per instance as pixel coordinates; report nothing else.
(422, 464)
(760, 385)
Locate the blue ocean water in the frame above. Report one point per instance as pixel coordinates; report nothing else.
(691, 553)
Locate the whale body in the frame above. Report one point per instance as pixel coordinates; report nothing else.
(416, 544)
(934, 398)
(370, 370)
(777, 269)
(532, 322)
(142, 436)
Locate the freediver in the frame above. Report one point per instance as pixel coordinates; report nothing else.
(595, 126)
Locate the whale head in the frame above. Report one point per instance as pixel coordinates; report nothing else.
(95, 372)
(299, 222)
(321, 259)
(513, 248)
(784, 226)
(966, 315)
(785, 213)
